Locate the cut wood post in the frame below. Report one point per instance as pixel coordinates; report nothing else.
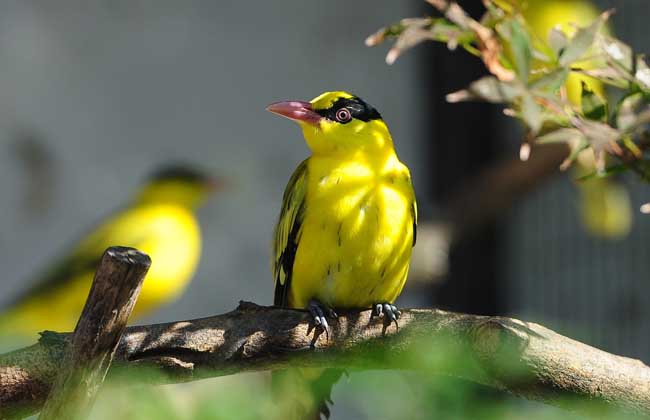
(113, 294)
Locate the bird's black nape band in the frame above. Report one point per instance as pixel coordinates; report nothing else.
(179, 172)
(358, 108)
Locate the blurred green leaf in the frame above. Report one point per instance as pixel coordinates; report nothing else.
(582, 41)
(609, 75)
(518, 39)
(593, 106)
(557, 40)
(531, 113)
(601, 137)
(627, 111)
(632, 147)
(642, 74)
(488, 88)
(605, 173)
(617, 51)
(561, 135)
(551, 81)
(577, 147)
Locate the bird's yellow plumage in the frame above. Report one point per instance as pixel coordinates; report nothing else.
(348, 220)
(346, 228)
(160, 221)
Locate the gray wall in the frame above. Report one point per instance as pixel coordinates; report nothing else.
(114, 88)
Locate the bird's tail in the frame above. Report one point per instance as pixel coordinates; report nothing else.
(304, 393)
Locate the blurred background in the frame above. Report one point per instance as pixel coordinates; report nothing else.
(96, 95)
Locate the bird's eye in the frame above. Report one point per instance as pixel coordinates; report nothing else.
(343, 115)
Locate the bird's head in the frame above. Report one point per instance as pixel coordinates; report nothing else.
(337, 123)
(180, 185)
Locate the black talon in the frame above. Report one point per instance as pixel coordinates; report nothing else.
(318, 313)
(389, 312)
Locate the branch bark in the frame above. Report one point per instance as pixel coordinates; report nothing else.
(525, 359)
(111, 299)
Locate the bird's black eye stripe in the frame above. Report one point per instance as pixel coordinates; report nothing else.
(357, 107)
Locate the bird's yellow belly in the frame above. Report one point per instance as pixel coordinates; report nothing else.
(354, 250)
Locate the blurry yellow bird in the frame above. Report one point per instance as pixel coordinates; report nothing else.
(348, 218)
(160, 221)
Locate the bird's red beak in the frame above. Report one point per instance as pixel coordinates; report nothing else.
(298, 111)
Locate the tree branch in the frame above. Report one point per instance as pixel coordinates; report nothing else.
(111, 299)
(525, 359)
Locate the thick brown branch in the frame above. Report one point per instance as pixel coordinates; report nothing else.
(523, 358)
(112, 296)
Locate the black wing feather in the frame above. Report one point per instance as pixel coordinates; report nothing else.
(287, 234)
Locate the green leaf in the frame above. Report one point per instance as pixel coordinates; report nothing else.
(557, 40)
(605, 173)
(628, 108)
(570, 136)
(617, 51)
(488, 88)
(531, 113)
(582, 41)
(593, 106)
(518, 39)
(576, 148)
(609, 75)
(561, 135)
(551, 81)
(642, 74)
(600, 136)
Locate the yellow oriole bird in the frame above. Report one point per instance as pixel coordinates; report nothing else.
(347, 224)
(159, 221)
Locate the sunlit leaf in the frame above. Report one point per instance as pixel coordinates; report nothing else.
(642, 74)
(582, 41)
(617, 51)
(593, 106)
(488, 88)
(557, 40)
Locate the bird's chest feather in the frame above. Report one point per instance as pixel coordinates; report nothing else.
(356, 234)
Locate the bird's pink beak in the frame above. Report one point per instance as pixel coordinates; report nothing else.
(298, 111)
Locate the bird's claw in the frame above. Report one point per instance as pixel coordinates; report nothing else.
(389, 312)
(319, 314)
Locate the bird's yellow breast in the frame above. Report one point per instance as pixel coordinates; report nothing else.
(355, 242)
(174, 248)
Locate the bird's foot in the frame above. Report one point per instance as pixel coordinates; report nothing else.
(389, 312)
(319, 314)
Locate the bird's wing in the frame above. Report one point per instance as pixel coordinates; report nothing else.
(414, 214)
(118, 230)
(287, 233)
